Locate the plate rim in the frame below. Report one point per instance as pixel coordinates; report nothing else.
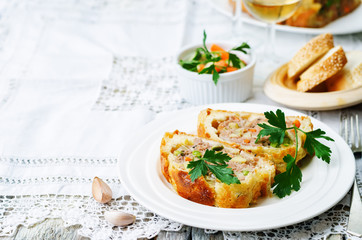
(300, 30)
(346, 184)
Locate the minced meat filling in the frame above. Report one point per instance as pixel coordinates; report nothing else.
(240, 164)
(245, 132)
(189, 151)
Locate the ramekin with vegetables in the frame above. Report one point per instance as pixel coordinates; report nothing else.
(216, 72)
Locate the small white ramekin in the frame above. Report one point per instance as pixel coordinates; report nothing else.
(199, 89)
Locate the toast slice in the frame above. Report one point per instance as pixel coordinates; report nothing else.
(329, 65)
(255, 173)
(309, 53)
(350, 76)
(241, 128)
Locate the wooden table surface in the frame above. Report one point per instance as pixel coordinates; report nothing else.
(54, 229)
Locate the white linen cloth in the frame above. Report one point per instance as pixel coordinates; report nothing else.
(73, 89)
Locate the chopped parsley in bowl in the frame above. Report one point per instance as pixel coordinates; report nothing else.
(215, 60)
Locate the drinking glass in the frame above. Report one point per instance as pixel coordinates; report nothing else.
(271, 12)
(239, 32)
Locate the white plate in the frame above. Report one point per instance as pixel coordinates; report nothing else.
(322, 187)
(351, 23)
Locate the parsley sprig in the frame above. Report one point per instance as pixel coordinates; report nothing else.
(209, 59)
(215, 162)
(290, 180)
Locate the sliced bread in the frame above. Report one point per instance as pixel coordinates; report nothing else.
(241, 129)
(329, 65)
(309, 53)
(255, 172)
(350, 76)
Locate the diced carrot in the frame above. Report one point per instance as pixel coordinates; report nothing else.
(223, 54)
(252, 130)
(220, 65)
(216, 48)
(188, 159)
(246, 140)
(200, 67)
(296, 123)
(231, 69)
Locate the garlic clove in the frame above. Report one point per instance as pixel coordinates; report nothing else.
(118, 218)
(101, 191)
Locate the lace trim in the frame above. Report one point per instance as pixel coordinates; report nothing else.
(57, 161)
(331, 222)
(83, 210)
(137, 82)
(50, 179)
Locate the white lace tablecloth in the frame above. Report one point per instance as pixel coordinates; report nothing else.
(77, 77)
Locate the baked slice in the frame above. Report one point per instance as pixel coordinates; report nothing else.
(329, 65)
(255, 173)
(309, 53)
(318, 13)
(350, 76)
(241, 128)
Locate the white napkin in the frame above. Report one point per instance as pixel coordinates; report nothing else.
(64, 134)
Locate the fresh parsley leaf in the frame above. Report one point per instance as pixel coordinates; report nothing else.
(216, 157)
(215, 162)
(277, 128)
(208, 69)
(211, 69)
(276, 134)
(189, 65)
(277, 120)
(313, 146)
(234, 60)
(329, 3)
(215, 59)
(199, 168)
(289, 180)
(215, 76)
(224, 174)
(242, 47)
(198, 54)
(207, 53)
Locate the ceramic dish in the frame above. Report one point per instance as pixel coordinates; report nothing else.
(231, 87)
(323, 185)
(278, 89)
(350, 23)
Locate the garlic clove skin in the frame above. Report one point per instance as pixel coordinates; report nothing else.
(118, 218)
(101, 191)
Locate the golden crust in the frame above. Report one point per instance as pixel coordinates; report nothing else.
(351, 74)
(325, 68)
(207, 127)
(309, 53)
(211, 191)
(198, 191)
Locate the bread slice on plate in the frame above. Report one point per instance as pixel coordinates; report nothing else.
(329, 65)
(309, 53)
(350, 76)
(255, 173)
(241, 128)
